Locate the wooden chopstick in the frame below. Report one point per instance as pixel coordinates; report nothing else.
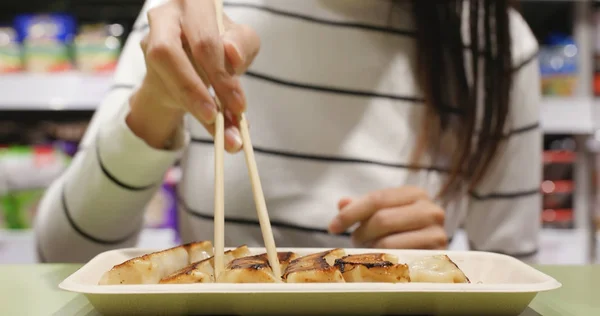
(219, 143)
(259, 198)
(219, 216)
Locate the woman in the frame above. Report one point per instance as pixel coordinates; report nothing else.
(367, 127)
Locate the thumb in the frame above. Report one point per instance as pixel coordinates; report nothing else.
(241, 47)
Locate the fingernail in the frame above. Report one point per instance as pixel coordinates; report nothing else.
(335, 226)
(209, 112)
(234, 134)
(239, 100)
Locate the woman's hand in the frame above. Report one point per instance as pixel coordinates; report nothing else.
(393, 218)
(184, 54)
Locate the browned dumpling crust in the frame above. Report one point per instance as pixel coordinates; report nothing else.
(254, 269)
(315, 268)
(194, 263)
(373, 267)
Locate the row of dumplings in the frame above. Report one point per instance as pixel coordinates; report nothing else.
(193, 263)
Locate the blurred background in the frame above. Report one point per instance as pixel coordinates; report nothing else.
(50, 86)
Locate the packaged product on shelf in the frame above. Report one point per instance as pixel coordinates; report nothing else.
(3, 189)
(558, 187)
(26, 171)
(558, 66)
(68, 148)
(46, 41)
(558, 204)
(558, 164)
(557, 194)
(67, 131)
(558, 219)
(10, 51)
(97, 47)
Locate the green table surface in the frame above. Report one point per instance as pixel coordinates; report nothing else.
(32, 290)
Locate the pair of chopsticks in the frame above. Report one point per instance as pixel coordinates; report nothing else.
(259, 199)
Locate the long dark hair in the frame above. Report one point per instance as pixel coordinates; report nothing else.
(450, 80)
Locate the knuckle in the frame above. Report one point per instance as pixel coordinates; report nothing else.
(223, 79)
(157, 51)
(382, 221)
(189, 91)
(377, 199)
(438, 214)
(207, 45)
(153, 13)
(439, 238)
(344, 217)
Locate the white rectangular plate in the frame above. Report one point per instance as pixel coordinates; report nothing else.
(500, 285)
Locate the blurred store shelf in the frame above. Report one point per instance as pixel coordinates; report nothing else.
(567, 115)
(18, 246)
(77, 91)
(58, 91)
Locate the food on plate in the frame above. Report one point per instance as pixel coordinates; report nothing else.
(194, 263)
(372, 267)
(315, 268)
(203, 271)
(436, 269)
(255, 269)
(152, 267)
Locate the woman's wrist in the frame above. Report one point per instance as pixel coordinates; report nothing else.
(151, 121)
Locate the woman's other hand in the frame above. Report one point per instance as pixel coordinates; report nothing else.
(396, 218)
(184, 54)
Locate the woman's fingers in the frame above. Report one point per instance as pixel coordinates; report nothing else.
(433, 237)
(233, 138)
(185, 54)
(165, 54)
(361, 209)
(206, 44)
(418, 215)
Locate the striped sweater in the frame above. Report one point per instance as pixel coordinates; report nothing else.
(334, 108)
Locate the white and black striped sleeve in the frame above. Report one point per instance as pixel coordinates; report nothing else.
(98, 203)
(504, 211)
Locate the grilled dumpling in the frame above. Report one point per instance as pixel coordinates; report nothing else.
(313, 268)
(204, 270)
(150, 268)
(372, 267)
(254, 269)
(436, 269)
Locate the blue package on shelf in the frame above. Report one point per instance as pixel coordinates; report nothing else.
(558, 65)
(46, 40)
(58, 26)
